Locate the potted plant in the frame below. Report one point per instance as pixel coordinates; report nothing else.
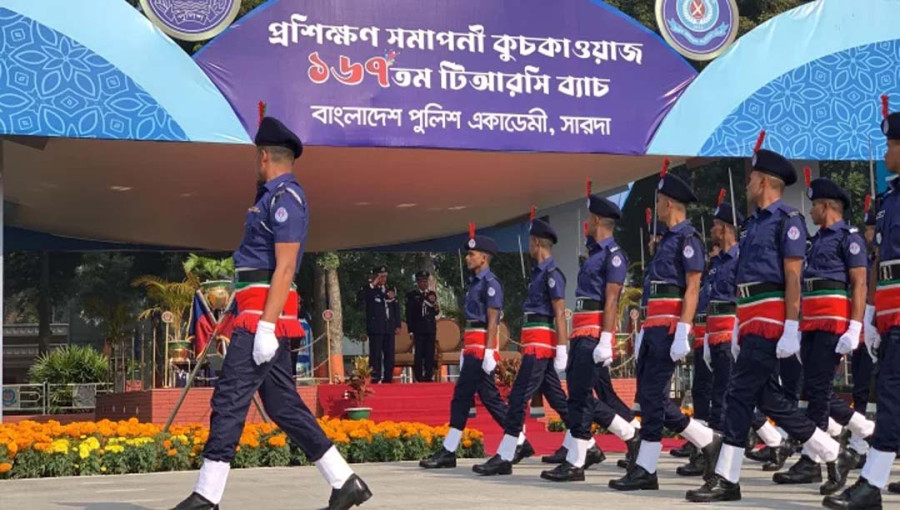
(215, 277)
(359, 389)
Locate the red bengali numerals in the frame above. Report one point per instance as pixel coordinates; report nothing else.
(348, 72)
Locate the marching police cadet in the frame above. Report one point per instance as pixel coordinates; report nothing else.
(421, 311)
(382, 323)
(674, 290)
(258, 357)
(600, 281)
(769, 268)
(544, 347)
(834, 290)
(478, 360)
(866, 492)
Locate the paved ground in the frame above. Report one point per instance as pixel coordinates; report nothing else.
(401, 486)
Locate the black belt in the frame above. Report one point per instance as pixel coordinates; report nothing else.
(536, 317)
(254, 276)
(748, 290)
(665, 289)
(721, 308)
(588, 305)
(814, 284)
(476, 324)
(700, 318)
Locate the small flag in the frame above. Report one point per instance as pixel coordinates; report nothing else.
(665, 168)
(885, 107)
(759, 141)
(262, 111)
(806, 175)
(649, 216)
(471, 230)
(721, 197)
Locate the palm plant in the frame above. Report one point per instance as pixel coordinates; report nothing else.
(72, 364)
(175, 297)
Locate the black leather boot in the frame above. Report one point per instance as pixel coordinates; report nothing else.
(860, 496)
(523, 452)
(196, 502)
(558, 457)
(353, 493)
(632, 445)
(685, 451)
(804, 470)
(838, 471)
(894, 488)
(441, 459)
(710, 453)
(494, 466)
(594, 456)
(696, 466)
(764, 454)
(637, 479)
(564, 472)
(780, 455)
(715, 489)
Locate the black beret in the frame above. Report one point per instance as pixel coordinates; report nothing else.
(272, 133)
(826, 188)
(423, 275)
(377, 270)
(483, 244)
(543, 230)
(724, 213)
(604, 207)
(891, 126)
(675, 188)
(772, 163)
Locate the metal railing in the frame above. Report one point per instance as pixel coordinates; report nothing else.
(52, 398)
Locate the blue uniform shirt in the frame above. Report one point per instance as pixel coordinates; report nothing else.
(761, 254)
(547, 283)
(703, 298)
(834, 251)
(606, 263)
(722, 274)
(278, 216)
(680, 252)
(887, 223)
(484, 292)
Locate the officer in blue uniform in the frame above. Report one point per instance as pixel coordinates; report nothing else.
(866, 492)
(600, 281)
(544, 348)
(258, 356)
(382, 323)
(675, 273)
(478, 360)
(769, 270)
(834, 299)
(422, 309)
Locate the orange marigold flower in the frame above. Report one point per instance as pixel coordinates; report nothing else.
(5, 467)
(173, 452)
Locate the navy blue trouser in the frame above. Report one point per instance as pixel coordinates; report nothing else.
(861, 366)
(654, 374)
(790, 372)
(721, 361)
(701, 387)
(241, 377)
(472, 380)
(755, 382)
(607, 397)
(584, 376)
(381, 352)
(887, 419)
(423, 359)
(819, 363)
(534, 373)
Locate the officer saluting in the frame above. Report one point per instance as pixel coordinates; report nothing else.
(478, 360)
(258, 357)
(866, 492)
(382, 323)
(421, 310)
(674, 290)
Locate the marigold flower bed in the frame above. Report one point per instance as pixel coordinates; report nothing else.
(31, 450)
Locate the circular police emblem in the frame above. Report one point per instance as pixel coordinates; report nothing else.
(551, 282)
(661, 182)
(191, 20)
(698, 29)
(878, 238)
(688, 252)
(471, 243)
(717, 211)
(281, 215)
(617, 261)
(854, 248)
(809, 193)
(492, 292)
(753, 160)
(793, 233)
(885, 127)
(588, 202)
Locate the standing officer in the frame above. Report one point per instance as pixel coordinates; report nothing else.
(866, 492)
(834, 299)
(769, 269)
(382, 323)
(674, 290)
(421, 311)
(544, 348)
(478, 360)
(600, 282)
(258, 358)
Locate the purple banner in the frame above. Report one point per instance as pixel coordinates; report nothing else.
(512, 75)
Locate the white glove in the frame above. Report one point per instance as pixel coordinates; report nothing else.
(637, 344)
(561, 359)
(849, 341)
(265, 344)
(489, 364)
(603, 351)
(462, 357)
(608, 362)
(707, 354)
(789, 343)
(680, 345)
(872, 338)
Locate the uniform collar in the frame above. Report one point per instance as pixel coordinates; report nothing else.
(278, 181)
(775, 206)
(482, 275)
(894, 183)
(732, 253)
(548, 263)
(602, 245)
(680, 226)
(837, 226)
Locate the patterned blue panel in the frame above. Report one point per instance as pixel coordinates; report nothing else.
(828, 109)
(50, 85)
